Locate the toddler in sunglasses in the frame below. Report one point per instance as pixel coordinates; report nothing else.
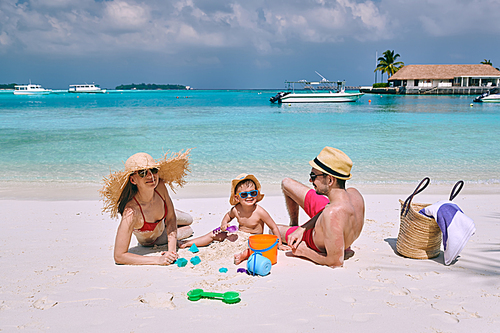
(245, 193)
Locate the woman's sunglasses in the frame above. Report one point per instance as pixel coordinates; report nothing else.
(244, 195)
(144, 172)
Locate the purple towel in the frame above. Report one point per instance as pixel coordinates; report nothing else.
(456, 227)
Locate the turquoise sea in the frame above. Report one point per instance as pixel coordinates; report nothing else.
(69, 138)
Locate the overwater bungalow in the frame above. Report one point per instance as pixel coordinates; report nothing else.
(446, 79)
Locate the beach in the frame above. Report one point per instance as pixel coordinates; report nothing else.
(58, 273)
(56, 248)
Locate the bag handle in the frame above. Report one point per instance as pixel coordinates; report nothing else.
(406, 205)
(455, 191)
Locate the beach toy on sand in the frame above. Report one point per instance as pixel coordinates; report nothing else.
(241, 270)
(181, 262)
(195, 260)
(194, 248)
(265, 254)
(231, 228)
(265, 244)
(258, 264)
(223, 270)
(229, 297)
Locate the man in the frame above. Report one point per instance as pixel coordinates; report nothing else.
(336, 220)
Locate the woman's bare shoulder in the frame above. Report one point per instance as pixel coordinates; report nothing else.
(131, 214)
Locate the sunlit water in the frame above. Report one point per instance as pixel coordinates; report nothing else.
(391, 139)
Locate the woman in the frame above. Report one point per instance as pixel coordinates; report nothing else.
(139, 194)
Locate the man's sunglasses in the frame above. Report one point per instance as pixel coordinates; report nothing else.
(144, 172)
(244, 195)
(313, 176)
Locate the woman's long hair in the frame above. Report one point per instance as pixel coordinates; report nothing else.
(127, 194)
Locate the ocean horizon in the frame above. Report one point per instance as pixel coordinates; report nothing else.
(79, 138)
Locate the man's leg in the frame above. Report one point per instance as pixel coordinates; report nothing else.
(295, 194)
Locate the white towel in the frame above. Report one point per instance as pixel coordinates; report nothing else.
(456, 227)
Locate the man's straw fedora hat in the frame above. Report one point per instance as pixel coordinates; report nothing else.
(334, 162)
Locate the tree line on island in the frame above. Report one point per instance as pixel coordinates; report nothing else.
(151, 86)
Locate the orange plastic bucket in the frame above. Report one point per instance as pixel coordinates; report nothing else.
(262, 242)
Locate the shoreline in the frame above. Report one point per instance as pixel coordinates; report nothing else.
(54, 191)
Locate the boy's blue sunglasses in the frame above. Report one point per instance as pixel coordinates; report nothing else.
(252, 193)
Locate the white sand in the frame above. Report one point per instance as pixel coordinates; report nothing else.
(57, 274)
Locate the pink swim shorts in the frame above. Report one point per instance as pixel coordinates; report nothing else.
(314, 203)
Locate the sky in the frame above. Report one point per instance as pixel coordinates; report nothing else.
(236, 44)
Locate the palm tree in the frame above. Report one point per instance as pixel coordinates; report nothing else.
(486, 62)
(388, 64)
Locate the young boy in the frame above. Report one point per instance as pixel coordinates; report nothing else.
(245, 193)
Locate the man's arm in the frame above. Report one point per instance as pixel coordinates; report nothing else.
(296, 237)
(331, 223)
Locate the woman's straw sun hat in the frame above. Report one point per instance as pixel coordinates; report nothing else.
(333, 162)
(171, 169)
(239, 179)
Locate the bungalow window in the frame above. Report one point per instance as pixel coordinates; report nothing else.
(415, 83)
(474, 82)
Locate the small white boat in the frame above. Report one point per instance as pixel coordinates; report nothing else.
(31, 89)
(492, 96)
(495, 98)
(336, 92)
(85, 88)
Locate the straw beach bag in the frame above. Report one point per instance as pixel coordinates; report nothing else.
(420, 236)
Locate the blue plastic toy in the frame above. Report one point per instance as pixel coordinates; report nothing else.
(181, 262)
(258, 264)
(195, 260)
(194, 248)
(223, 270)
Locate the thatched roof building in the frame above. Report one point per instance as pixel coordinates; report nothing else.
(446, 76)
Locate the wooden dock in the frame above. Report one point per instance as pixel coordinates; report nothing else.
(427, 91)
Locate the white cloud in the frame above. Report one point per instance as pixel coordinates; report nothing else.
(266, 27)
(125, 16)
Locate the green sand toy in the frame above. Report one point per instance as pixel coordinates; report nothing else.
(229, 297)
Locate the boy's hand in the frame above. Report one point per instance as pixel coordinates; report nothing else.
(223, 226)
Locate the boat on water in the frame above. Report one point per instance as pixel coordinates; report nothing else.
(30, 89)
(85, 88)
(314, 92)
(492, 96)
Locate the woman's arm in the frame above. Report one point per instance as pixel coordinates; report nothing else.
(122, 243)
(170, 219)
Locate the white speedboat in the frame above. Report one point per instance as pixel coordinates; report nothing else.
(492, 96)
(310, 92)
(85, 88)
(31, 89)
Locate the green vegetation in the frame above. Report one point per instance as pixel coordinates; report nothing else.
(8, 86)
(150, 86)
(381, 85)
(488, 62)
(388, 64)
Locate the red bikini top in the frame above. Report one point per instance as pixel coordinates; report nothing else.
(150, 226)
